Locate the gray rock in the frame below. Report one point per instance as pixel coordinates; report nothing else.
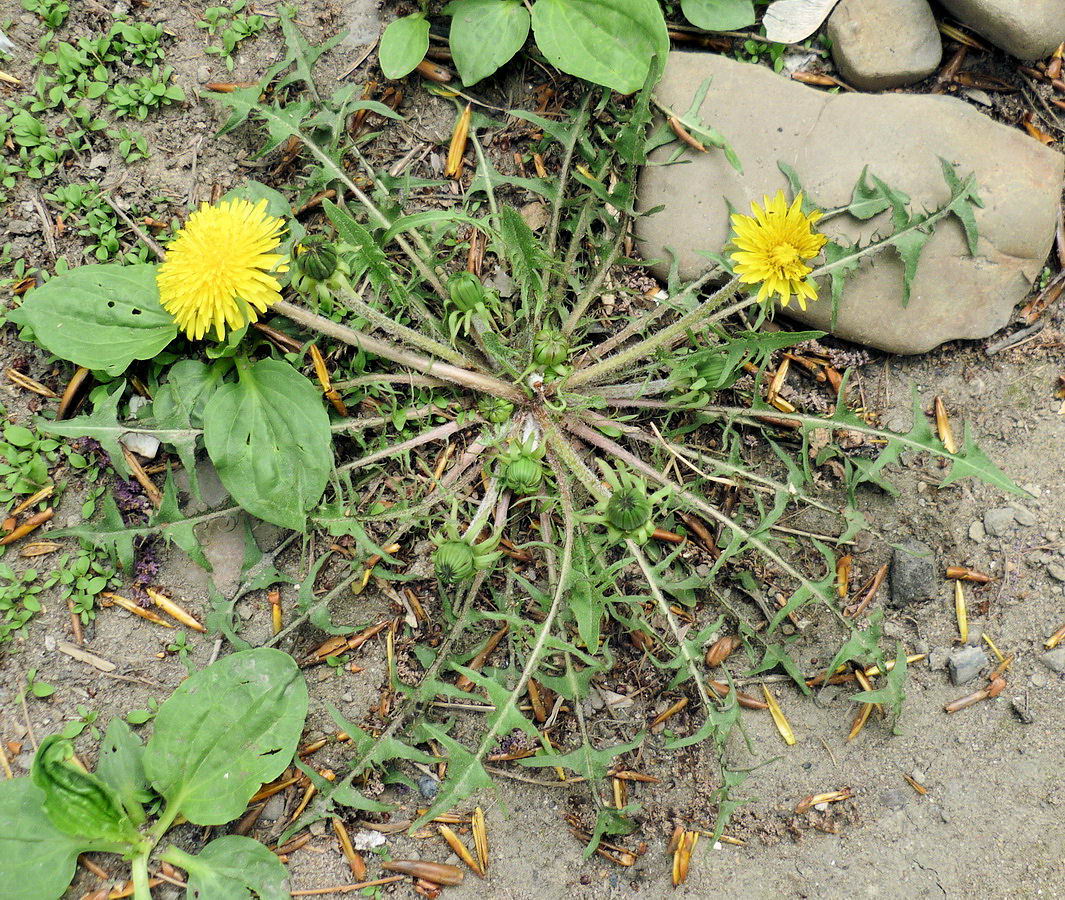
(880, 44)
(965, 664)
(1056, 571)
(977, 533)
(1054, 659)
(913, 573)
(428, 786)
(828, 140)
(998, 522)
(1022, 515)
(1029, 29)
(274, 809)
(937, 659)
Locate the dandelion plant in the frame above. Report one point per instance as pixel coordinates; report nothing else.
(578, 435)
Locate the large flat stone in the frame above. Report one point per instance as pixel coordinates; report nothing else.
(880, 44)
(828, 139)
(1029, 29)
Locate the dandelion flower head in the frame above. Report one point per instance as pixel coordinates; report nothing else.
(771, 246)
(218, 269)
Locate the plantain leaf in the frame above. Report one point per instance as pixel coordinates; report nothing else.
(36, 856)
(403, 45)
(718, 15)
(485, 34)
(99, 316)
(268, 435)
(608, 42)
(121, 765)
(232, 868)
(225, 731)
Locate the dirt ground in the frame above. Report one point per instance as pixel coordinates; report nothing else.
(992, 820)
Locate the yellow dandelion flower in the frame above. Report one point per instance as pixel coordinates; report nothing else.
(771, 247)
(217, 272)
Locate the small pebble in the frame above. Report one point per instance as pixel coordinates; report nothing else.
(428, 786)
(1056, 571)
(1023, 516)
(894, 799)
(998, 522)
(1054, 659)
(965, 663)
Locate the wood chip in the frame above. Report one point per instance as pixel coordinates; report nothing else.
(84, 656)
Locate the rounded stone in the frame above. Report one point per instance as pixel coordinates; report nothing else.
(1028, 29)
(828, 139)
(881, 44)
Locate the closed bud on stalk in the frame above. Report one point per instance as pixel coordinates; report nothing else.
(317, 258)
(628, 508)
(466, 291)
(523, 475)
(550, 347)
(495, 409)
(454, 561)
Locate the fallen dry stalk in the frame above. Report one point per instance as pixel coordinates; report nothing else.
(441, 873)
(808, 803)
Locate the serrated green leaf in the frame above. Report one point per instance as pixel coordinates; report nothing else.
(585, 760)
(465, 776)
(176, 527)
(101, 425)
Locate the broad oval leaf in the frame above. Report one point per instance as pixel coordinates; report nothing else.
(268, 436)
(34, 854)
(233, 868)
(100, 317)
(403, 45)
(609, 42)
(224, 732)
(718, 15)
(121, 765)
(485, 34)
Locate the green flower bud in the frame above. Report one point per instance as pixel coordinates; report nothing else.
(628, 509)
(523, 475)
(454, 561)
(466, 290)
(495, 409)
(316, 258)
(551, 348)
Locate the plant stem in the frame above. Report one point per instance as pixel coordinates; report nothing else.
(424, 269)
(576, 127)
(141, 888)
(649, 344)
(645, 388)
(401, 332)
(588, 294)
(439, 433)
(692, 664)
(696, 502)
(477, 381)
